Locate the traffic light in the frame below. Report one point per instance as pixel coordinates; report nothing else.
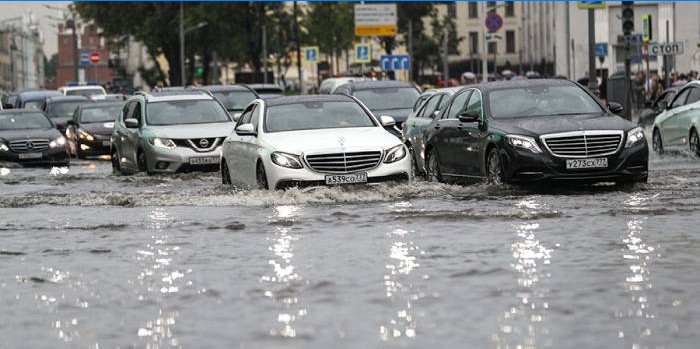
(647, 32)
(627, 18)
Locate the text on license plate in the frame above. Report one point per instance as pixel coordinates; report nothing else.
(360, 177)
(30, 156)
(587, 163)
(204, 160)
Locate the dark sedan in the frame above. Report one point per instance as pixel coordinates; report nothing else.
(390, 98)
(531, 131)
(90, 129)
(60, 109)
(234, 97)
(28, 137)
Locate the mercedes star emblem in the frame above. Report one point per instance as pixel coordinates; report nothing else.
(30, 145)
(341, 142)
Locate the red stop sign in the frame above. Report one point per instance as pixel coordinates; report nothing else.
(94, 57)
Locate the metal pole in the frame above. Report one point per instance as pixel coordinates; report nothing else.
(592, 80)
(13, 80)
(410, 49)
(76, 59)
(445, 65)
(264, 52)
(298, 46)
(183, 81)
(568, 39)
(484, 54)
(667, 78)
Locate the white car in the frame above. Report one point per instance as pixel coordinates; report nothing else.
(309, 141)
(84, 90)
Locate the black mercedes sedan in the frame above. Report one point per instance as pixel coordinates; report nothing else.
(28, 137)
(532, 131)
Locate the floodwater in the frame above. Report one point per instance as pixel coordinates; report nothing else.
(92, 260)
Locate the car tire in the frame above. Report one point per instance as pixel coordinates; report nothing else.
(494, 168)
(225, 174)
(694, 142)
(116, 166)
(656, 142)
(432, 167)
(414, 163)
(142, 162)
(261, 176)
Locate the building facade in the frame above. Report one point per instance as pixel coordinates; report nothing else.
(89, 42)
(21, 53)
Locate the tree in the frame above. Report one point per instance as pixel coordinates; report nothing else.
(330, 26)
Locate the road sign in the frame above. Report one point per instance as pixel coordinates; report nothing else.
(493, 37)
(84, 58)
(601, 49)
(395, 62)
(666, 49)
(375, 20)
(493, 22)
(590, 5)
(647, 32)
(363, 53)
(310, 53)
(94, 57)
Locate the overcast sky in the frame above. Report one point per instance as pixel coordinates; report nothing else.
(16, 9)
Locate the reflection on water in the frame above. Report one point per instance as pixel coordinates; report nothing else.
(525, 321)
(283, 274)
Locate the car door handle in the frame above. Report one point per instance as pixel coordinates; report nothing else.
(437, 126)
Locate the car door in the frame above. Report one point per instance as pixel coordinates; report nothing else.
(133, 135)
(470, 137)
(684, 118)
(120, 133)
(668, 124)
(447, 135)
(234, 151)
(416, 125)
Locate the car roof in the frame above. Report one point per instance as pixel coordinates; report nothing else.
(213, 88)
(101, 105)
(20, 111)
(62, 98)
(508, 84)
(177, 95)
(443, 89)
(82, 87)
(367, 85)
(39, 94)
(307, 98)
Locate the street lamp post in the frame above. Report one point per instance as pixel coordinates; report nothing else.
(184, 31)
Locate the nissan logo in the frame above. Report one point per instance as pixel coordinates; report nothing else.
(203, 143)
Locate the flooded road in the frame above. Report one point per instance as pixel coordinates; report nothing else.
(92, 260)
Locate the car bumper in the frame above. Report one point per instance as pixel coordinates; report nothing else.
(281, 177)
(55, 156)
(100, 146)
(178, 160)
(522, 166)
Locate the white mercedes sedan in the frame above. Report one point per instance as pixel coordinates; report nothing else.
(312, 141)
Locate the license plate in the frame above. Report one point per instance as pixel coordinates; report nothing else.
(106, 143)
(30, 156)
(204, 160)
(587, 163)
(360, 177)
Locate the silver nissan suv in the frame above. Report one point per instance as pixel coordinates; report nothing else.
(168, 132)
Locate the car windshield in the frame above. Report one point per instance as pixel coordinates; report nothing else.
(100, 114)
(388, 98)
(541, 101)
(316, 115)
(234, 100)
(85, 92)
(33, 104)
(63, 109)
(24, 121)
(185, 112)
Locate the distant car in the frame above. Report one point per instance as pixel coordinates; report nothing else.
(109, 97)
(60, 109)
(89, 132)
(169, 89)
(267, 91)
(415, 127)
(657, 106)
(234, 97)
(390, 98)
(329, 85)
(29, 99)
(311, 140)
(168, 132)
(677, 126)
(28, 137)
(529, 131)
(87, 90)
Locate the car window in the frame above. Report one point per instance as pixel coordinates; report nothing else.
(33, 104)
(234, 100)
(245, 117)
(420, 101)
(693, 96)
(314, 115)
(539, 100)
(255, 116)
(680, 98)
(185, 112)
(430, 107)
(669, 96)
(457, 105)
(388, 97)
(475, 102)
(136, 113)
(126, 111)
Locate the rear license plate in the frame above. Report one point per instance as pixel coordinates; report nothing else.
(360, 177)
(204, 160)
(30, 156)
(106, 143)
(587, 163)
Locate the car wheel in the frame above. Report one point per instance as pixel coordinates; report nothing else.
(142, 163)
(414, 163)
(694, 142)
(225, 175)
(494, 168)
(261, 176)
(432, 167)
(656, 142)
(116, 168)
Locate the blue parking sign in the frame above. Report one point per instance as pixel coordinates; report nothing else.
(310, 53)
(84, 58)
(362, 53)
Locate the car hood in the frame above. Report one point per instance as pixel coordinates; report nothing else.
(13, 135)
(329, 140)
(536, 126)
(399, 114)
(99, 128)
(219, 129)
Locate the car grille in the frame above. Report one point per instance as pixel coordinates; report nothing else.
(344, 162)
(29, 145)
(584, 143)
(198, 144)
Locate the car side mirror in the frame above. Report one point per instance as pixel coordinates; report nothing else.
(469, 116)
(131, 123)
(387, 121)
(615, 108)
(246, 130)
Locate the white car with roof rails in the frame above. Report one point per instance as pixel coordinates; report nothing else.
(83, 90)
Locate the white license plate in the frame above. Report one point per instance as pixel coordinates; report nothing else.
(30, 156)
(106, 143)
(587, 163)
(360, 177)
(204, 160)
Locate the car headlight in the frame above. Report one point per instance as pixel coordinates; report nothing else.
(58, 142)
(4, 147)
(523, 142)
(85, 135)
(634, 136)
(286, 160)
(395, 154)
(164, 143)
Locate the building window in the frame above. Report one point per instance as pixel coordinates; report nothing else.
(452, 10)
(510, 41)
(473, 42)
(491, 6)
(492, 47)
(510, 9)
(473, 9)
